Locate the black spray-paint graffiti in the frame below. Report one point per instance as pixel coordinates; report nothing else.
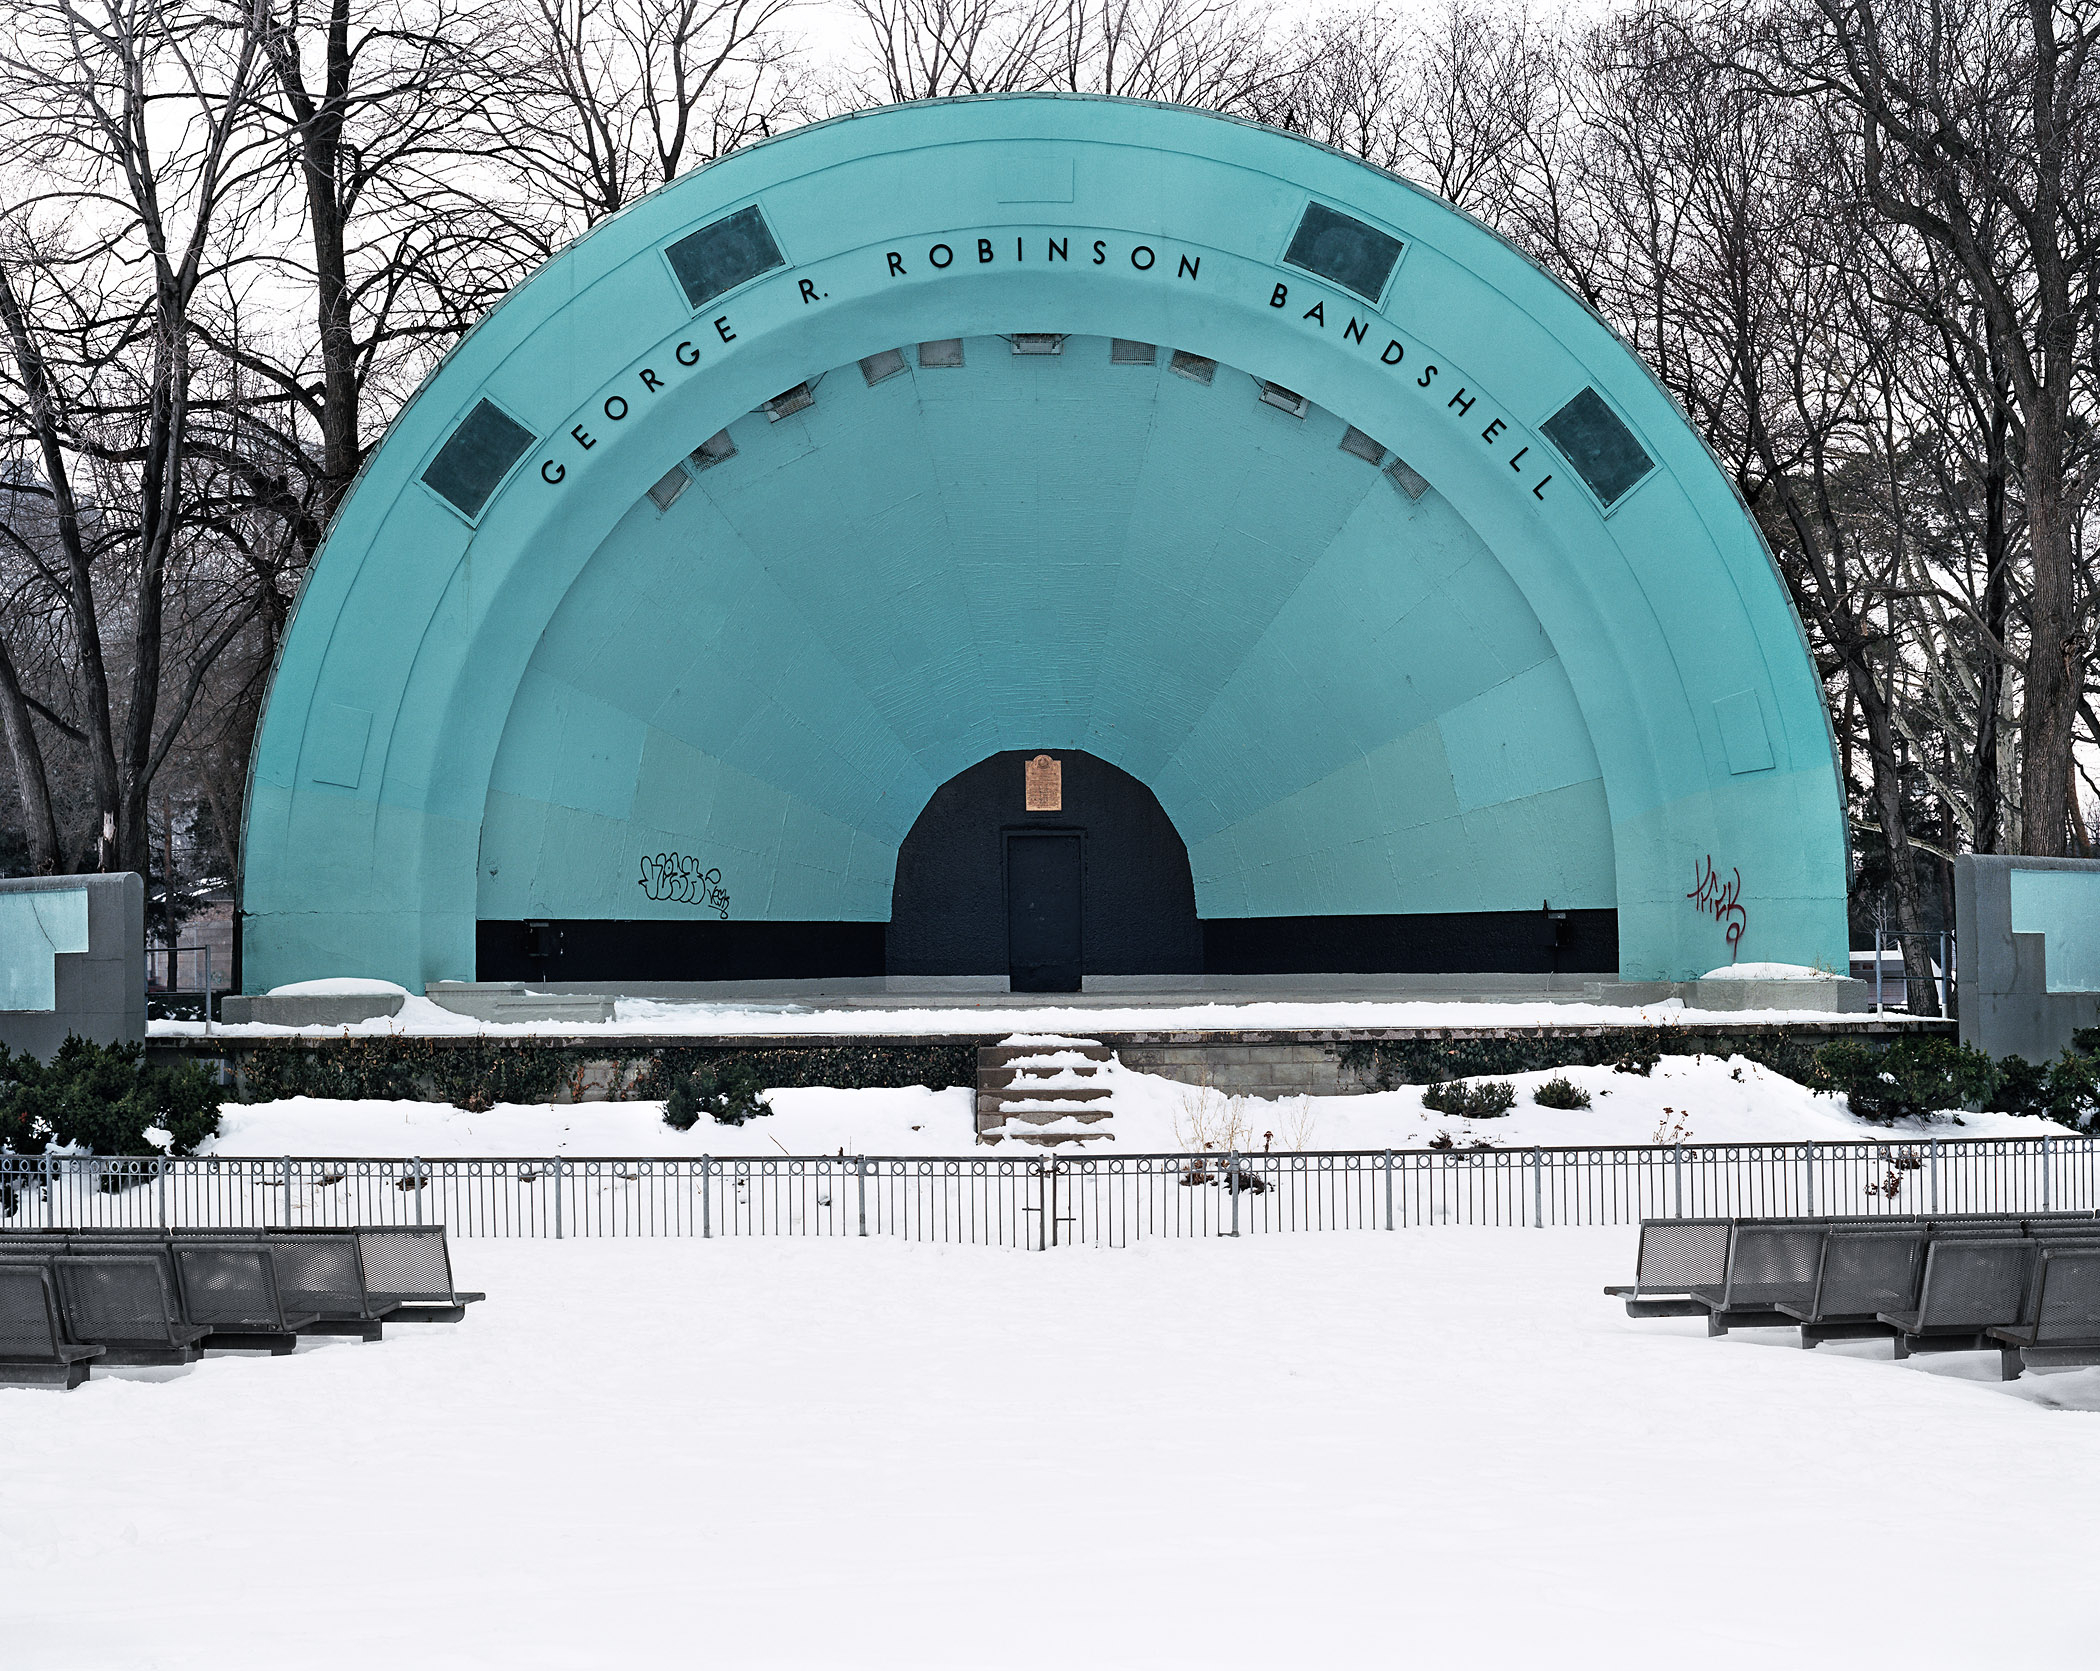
(678, 877)
(1720, 903)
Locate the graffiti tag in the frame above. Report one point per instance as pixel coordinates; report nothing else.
(1719, 902)
(678, 877)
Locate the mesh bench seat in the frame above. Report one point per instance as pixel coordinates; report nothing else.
(35, 1350)
(319, 1281)
(2062, 1330)
(1861, 1274)
(410, 1268)
(1676, 1255)
(324, 1275)
(229, 1288)
(123, 1302)
(1969, 1287)
(1769, 1262)
(319, 1276)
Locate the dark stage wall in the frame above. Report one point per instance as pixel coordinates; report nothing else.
(1135, 911)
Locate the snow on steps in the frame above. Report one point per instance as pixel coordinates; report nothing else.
(1045, 1090)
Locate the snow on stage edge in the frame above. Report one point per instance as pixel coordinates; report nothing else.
(1349, 1448)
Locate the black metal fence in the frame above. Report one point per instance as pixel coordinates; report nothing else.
(1058, 1199)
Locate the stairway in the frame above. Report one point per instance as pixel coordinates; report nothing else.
(1046, 1082)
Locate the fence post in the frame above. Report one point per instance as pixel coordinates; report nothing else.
(1389, 1189)
(860, 1182)
(284, 1182)
(1811, 1180)
(160, 1189)
(557, 1198)
(1232, 1186)
(207, 988)
(1677, 1167)
(50, 1192)
(418, 1164)
(2045, 1174)
(1935, 1175)
(1538, 1188)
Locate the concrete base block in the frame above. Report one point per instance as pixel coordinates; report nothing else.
(341, 1009)
(1842, 996)
(485, 1001)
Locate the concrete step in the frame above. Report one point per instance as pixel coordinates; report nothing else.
(993, 1106)
(1055, 1139)
(1021, 1073)
(1005, 1055)
(1044, 1117)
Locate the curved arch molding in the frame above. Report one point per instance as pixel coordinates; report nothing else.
(1040, 423)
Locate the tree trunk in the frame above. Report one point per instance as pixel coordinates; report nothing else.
(32, 782)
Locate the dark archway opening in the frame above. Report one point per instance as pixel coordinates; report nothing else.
(986, 886)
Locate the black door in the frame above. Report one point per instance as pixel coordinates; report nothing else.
(1042, 910)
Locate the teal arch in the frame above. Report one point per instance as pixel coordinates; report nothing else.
(1350, 697)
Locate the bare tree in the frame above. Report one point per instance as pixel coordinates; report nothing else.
(935, 49)
(595, 102)
(1213, 54)
(1978, 125)
(125, 152)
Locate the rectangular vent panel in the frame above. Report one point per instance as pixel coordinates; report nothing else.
(476, 457)
(1404, 476)
(665, 493)
(716, 259)
(1038, 342)
(1355, 441)
(1193, 366)
(1341, 249)
(944, 353)
(1122, 352)
(1284, 400)
(790, 401)
(716, 449)
(1593, 438)
(878, 366)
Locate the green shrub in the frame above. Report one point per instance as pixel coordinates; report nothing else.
(104, 1098)
(1561, 1092)
(732, 1093)
(2066, 1090)
(1488, 1100)
(1912, 1078)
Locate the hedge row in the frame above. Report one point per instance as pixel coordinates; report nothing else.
(478, 1075)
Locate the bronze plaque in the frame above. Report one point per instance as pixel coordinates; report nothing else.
(1046, 784)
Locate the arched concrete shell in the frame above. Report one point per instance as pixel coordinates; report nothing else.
(1349, 700)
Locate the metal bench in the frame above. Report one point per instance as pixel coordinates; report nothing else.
(34, 1348)
(1970, 1285)
(1768, 1263)
(228, 1288)
(409, 1268)
(2062, 1330)
(123, 1302)
(1676, 1256)
(232, 1287)
(319, 1274)
(324, 1274)
(319, 1278)
(1862, 1273)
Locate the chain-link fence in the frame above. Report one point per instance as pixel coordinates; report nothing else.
(1053, 1199)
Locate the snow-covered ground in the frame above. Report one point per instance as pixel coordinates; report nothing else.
(1428, 1447)
(1703, 1099)
(653, 1018)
